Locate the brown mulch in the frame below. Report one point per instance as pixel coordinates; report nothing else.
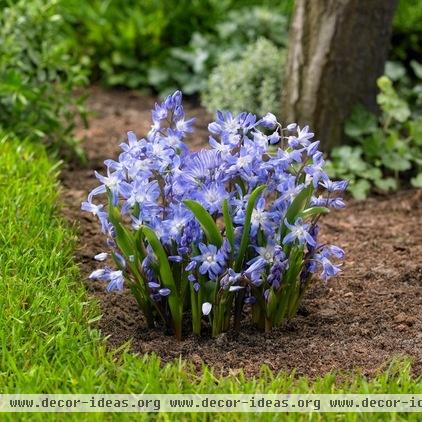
(369, 315)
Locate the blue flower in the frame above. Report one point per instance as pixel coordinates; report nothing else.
(111, 182)
(316, 169)
(115, 278)
(302, 138)
(178, 218)
(299, 232)
(211, 259)
(328, 268)
(185, 126)
(229, 279)
(132, 148)
(92, 208)
(268, 121)
(212, 196)
(224, 123)
(254, 272)
(340, 185)
(199, 168)
(154, 175)
(140, 192)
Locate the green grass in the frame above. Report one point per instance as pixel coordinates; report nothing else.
(48, 339)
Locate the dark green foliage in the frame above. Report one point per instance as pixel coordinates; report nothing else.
(38, 74)
(386, 151)
(407, 31)
(158, 43)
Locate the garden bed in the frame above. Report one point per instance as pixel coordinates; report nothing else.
(362, 319)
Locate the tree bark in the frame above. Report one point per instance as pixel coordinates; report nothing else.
(337, 50)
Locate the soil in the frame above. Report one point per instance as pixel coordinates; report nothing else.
(360, 320)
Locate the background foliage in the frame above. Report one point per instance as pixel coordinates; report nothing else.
(407, 31)
(207, 47)
(159, 43)
(256, 90)
(38, 73)
(385, 152)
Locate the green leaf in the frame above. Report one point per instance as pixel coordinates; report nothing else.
(396, 162)
(394, 70)
(360, 189)
(372, 173)
(417, 181)
(124, 238)
(166, 277)
(417, 68)
(246, 227)
(298, 204)
(349, 159)
(390, 102)
(309, 212)
(206, 221)
(373, 144)
(386, 184)
(361, 122)
(415, 131)
(228, 223)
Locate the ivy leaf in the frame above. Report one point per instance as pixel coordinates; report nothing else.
(394, 70)
(386, 184)
(349, 158)
(373, 144)
(415, 131)
(396, 162)
(417, 181)
(372, 173)
(361, 122)
(390, 102)
(360, 189)
(417, 68)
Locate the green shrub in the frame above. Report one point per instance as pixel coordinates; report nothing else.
(189, 67)
(38, 75)
(166, 44)
(252, 83)
(386, 151)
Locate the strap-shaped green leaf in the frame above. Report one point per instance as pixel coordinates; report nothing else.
(228, 223)
(164, 266)
(310, 212)
(247, 225)
(166, 276)
(124, 237)
(206, 221)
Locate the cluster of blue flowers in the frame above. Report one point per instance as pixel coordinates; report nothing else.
(235, 224)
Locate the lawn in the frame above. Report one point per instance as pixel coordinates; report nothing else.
(48, 337)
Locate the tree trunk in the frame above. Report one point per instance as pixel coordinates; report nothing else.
(337, 49)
